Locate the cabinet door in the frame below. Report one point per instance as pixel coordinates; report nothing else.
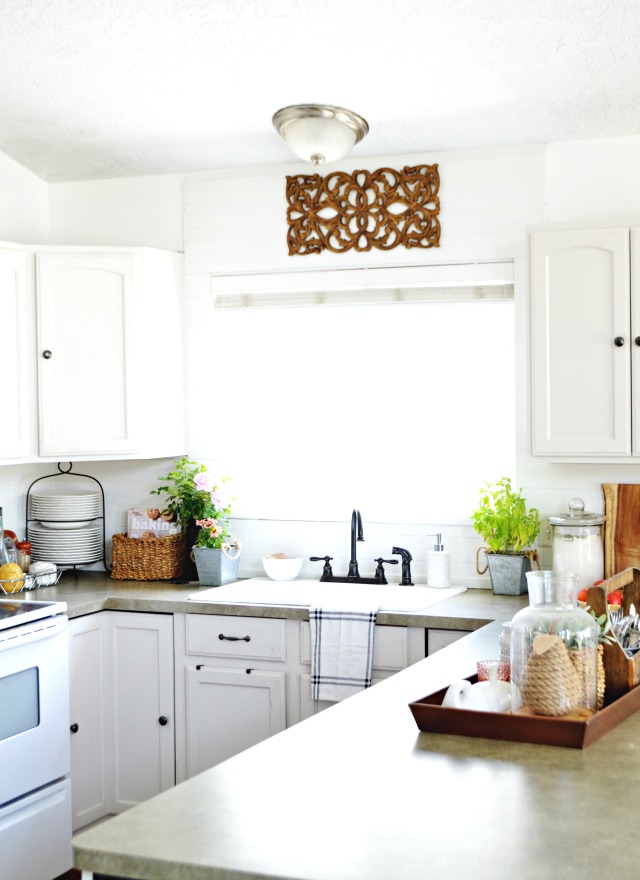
(88, 665)
(635, 334)
(229, 710)
(142, 705)
(15, 396)
(440, 638)
(394, 648)
(85, 315)
(581, 378)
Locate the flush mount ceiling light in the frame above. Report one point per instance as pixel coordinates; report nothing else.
(318, 132)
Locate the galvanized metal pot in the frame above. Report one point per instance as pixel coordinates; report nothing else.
(217, 567)
(508, 573)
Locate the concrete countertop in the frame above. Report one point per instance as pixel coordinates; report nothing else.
(359, 793)
(89, 592)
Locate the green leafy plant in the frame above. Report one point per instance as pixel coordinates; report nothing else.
(605, 633)
(502, 519)
(192, 493)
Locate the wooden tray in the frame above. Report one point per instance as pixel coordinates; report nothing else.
(432, 717)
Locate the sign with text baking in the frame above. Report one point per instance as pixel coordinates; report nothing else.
(150, 522)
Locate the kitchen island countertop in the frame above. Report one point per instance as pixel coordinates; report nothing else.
(359, 793)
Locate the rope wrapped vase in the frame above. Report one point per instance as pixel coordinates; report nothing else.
(553, 650)
(550, 684)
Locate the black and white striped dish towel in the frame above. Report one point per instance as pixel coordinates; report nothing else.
(341, 647)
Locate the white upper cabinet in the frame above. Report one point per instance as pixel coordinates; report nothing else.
(109, 353)
(85, 350)
(583, 344)
(14, 438)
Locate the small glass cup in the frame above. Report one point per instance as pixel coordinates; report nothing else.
(486, 668)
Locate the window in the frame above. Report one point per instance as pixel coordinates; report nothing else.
(387, 403)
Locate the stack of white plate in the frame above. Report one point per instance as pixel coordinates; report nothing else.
(67, 531)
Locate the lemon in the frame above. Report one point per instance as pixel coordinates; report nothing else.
(10, 577)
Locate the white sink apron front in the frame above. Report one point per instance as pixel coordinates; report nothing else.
(304, 593)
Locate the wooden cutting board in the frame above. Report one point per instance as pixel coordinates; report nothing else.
(622, 527)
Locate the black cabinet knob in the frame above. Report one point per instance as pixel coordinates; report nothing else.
(637, 340)
(74, 728)
(163, 720)
(47, 354)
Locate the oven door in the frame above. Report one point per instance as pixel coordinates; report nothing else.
(34, 695)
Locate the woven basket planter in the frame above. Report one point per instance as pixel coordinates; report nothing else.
(148, 559)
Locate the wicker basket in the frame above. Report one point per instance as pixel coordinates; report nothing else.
(148, 559)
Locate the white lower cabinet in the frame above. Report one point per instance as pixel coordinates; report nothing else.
(88, 670)
(157, 698)
(141, 702)
(230, 686)
(440, 638)
(229, 710)
(394, 648)
(122, 711)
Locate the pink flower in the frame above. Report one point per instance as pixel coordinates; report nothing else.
(204, 482)
(220, 497)
(215, 531)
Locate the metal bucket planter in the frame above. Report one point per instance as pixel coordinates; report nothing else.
(217, 567)
(508, 571)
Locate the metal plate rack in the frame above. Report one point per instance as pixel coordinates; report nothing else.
(68, 471)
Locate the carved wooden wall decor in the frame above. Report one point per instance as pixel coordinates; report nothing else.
(367, 209)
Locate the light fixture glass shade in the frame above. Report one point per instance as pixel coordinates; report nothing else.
(320, 133)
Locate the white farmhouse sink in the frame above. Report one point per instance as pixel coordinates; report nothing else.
(303, 593)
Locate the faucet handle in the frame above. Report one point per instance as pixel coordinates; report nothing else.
(380, 575)
(327, 571)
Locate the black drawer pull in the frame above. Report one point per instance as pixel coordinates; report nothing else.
(163, 720)
(224, 638)
(74, 728)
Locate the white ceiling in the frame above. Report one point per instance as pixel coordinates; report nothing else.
(110, 88)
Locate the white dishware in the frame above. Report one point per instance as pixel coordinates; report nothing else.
(282, 568)
(485, 696)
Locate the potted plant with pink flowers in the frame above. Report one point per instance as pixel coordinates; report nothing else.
(201, 503)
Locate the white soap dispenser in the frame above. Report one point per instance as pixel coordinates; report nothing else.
(438, 565)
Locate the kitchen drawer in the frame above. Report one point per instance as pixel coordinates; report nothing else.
(389, 647)
(440, 638)
(219, 635)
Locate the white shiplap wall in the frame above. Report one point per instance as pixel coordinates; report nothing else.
(488, 198)
(235, 224)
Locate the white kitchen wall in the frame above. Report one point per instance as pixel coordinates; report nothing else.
(130, 211)
(24, 204)
(235, 225)
(235, 222)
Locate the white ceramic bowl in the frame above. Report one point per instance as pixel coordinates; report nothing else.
(282, 569)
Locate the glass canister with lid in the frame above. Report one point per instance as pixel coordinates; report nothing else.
(578, 543)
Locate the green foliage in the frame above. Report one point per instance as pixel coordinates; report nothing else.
(605, 634)
(193, 494)
(502, 519)
(184, 499)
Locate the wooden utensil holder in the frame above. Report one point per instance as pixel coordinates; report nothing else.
(622, 673)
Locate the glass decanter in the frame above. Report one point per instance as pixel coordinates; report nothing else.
(554, 649)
